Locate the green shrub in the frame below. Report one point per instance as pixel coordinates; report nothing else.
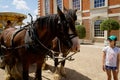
(109, 24)
(81, 31)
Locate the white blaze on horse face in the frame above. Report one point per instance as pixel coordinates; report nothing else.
(75, 41)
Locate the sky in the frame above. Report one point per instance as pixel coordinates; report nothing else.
(20, 6)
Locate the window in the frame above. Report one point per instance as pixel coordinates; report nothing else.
(59, 3)
(47, 7)
(76, 4)
(97, 31)
(99, 3)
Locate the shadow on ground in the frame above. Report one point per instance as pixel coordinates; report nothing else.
(86, 43)
(74, 75)
(71, 74)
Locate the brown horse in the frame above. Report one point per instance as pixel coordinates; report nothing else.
(31, 45)
(59, 47)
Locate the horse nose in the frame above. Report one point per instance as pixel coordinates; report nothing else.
(77, 49)
(76, 44)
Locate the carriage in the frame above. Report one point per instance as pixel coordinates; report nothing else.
(15, 19)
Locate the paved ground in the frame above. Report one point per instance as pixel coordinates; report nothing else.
(86, 66)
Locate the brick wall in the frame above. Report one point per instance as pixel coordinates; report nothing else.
(66, 3)
(51, 7)
(86, 23)
(113, 2)
(87, 14)
(85, 4)
(41, 7)
(114, 10)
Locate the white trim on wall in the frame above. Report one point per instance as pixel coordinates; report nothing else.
(85, 11)
(55, 7)
(70, 4)
(85, 17)
(62, 5)
(114, 6)
(114, 14)
(80, 5)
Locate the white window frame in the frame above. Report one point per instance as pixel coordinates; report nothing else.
(71, 4)
(92, 4)
(99, 4)
(98, 31)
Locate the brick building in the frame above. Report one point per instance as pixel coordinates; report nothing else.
(90, 14)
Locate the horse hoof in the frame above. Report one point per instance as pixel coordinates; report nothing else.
(63, 74)
(57, 77)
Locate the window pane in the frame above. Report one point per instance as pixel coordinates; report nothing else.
(99, 3)
(59, 3)
(76, 4)
(97, 31)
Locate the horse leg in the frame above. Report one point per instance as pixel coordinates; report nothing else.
(16, 71)
(7, 71)
(56, 65)
(56, 73)
(10, 68)
(25, 71)
(38, 75)
(45, 66)
(62, 69)
(38, 72)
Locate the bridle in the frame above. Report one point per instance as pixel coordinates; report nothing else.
(71, 35)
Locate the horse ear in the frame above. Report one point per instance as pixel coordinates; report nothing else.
(75, 10)
(60, 13)
(65, 10)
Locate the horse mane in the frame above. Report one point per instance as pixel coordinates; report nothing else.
(48, 21)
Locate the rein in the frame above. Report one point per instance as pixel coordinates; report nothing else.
(69, 58)
(72, 36)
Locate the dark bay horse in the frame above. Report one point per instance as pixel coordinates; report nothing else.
(31, 45)
(59, 47)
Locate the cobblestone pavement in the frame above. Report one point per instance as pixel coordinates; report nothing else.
(86, 66)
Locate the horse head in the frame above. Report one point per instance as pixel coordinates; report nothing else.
(63, 33)
(71, 18)
(58, 25)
